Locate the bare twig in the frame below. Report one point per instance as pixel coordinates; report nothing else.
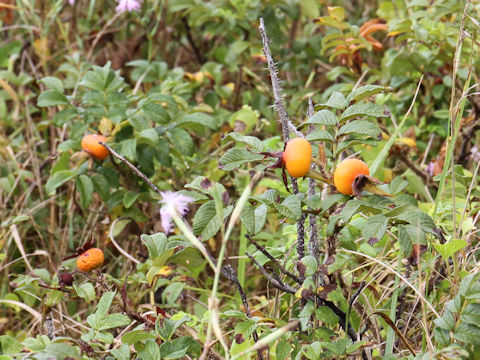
(133, 168)
(270, 256)
(313, 241)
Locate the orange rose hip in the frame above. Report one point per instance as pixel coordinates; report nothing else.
(297, 157)
(90, 143)
(346, 172)
(90, 259)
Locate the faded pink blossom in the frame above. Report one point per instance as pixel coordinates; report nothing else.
(429, 169)
(475, 154)
(71, 2)
(173, 202)
(127, 5)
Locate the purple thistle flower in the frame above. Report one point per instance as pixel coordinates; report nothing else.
(127, 5)
(173, 202)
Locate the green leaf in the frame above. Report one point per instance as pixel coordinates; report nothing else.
(182, 141)
(283, 349)
(335, 101)
(320, 135)
(375, 227)
(291, 207)
(84, 187)
(364, 109)
(171, 293)
(122, 353)
(236, 157)
(165, 328)
(105, 303)
(136, 336)
(115, 320)
(206, 222)
(254, 219)
(175, 349)
(311, 265)
(58, 179)
(155, 243)
(470, 287)
(86, 291)
(246, 328)
(53, 83)
(366, 91)
(409, 235)
(471, 314)
(467, 333)
(150, 352)
(129, 149)
(8, 345)
(129, 198)
(52, 98)
(253, 142)
(360, 127)
(198, 119)
(450, 248)
(326, 315)
(61, 351)
(322, 117)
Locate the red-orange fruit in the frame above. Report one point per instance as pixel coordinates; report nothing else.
(90, 259)
(90, 143)
(346, 172)
(297, 157)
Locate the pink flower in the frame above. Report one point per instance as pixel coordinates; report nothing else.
(71, 2)
(173, 202)
(127, 5)
(475, 154)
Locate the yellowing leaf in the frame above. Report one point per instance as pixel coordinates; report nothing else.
(165, 270)
(336, 12)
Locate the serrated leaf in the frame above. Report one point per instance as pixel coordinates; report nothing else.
(137, 336)
(52, 98)
(311, 265)
(375, 227)
(320, 135)
(86, 291)
(470, 286)
(84, 186)
(206, 222)
(291, 207)
(467, 333)
(105, 303)
(151, 351)
(360, 127)
(58, 179)
(122, 353)
(198, 119)
(471, 314)
(155, 243)
(115, 320)
(364, 109)
(409, 235)
(53, 83)
(366, 91)
(322, 117)
(254, 219)
(335, 101)
(182, 141)
(246, 328)
(253, 142)
(236, 157)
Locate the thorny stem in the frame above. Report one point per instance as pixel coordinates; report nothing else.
(286, 126)
(313, 241)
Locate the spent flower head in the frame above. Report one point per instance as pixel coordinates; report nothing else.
(127, 5)
(173, 202)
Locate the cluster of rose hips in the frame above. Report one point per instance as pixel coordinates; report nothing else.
(350, 177)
